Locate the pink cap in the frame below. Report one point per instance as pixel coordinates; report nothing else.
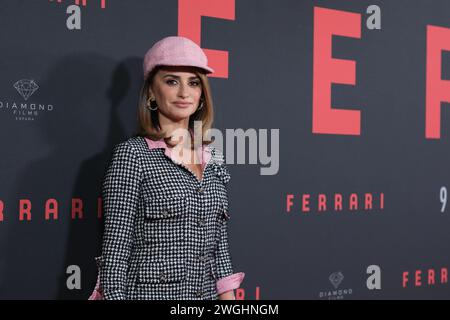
(175, 51)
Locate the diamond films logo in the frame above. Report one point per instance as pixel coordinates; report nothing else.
(335, 279)
(26, 88)
(23, 110)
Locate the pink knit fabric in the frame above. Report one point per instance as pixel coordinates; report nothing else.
(230, 283)
(97, 294)
(175, 51)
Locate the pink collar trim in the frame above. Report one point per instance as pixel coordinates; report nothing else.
(204, 152)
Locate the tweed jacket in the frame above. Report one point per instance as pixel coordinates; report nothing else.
(165, 231)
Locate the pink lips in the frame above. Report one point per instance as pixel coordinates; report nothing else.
(182, 104)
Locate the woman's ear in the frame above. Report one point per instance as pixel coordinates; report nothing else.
(149, 92)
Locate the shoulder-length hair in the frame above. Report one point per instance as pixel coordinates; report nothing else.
(148, 121)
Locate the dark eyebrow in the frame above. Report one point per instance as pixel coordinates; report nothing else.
(177, 77)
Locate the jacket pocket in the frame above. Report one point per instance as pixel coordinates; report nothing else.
(165, 224)
(165, 220)
(169, 270)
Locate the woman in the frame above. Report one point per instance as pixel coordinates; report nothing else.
(164, 192)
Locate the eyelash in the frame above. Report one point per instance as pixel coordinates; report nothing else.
(196, 82)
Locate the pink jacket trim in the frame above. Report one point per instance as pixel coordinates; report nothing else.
(230, 282)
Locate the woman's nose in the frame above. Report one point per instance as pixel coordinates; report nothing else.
(183, 91)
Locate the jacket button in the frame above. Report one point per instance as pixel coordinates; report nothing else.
(201, 257)
(200, 190)
(165, 213)
(163, 276)
(201, 221)
(199, 293)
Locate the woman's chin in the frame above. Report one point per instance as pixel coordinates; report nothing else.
(180, 114)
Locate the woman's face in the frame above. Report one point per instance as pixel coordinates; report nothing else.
(177, 90)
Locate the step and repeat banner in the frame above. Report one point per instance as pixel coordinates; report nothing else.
(335, 122)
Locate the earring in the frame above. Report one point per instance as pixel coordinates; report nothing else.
(149, 105)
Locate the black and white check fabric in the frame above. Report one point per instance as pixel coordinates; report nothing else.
(165, 232)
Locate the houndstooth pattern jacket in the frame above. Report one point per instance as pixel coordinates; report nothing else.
(165, 232)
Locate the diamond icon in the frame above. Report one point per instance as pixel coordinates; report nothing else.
(26, 88)
(336, 279)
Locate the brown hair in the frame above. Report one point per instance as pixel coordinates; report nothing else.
(148, 121)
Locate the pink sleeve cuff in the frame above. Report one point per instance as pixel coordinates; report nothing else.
(230, 282)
